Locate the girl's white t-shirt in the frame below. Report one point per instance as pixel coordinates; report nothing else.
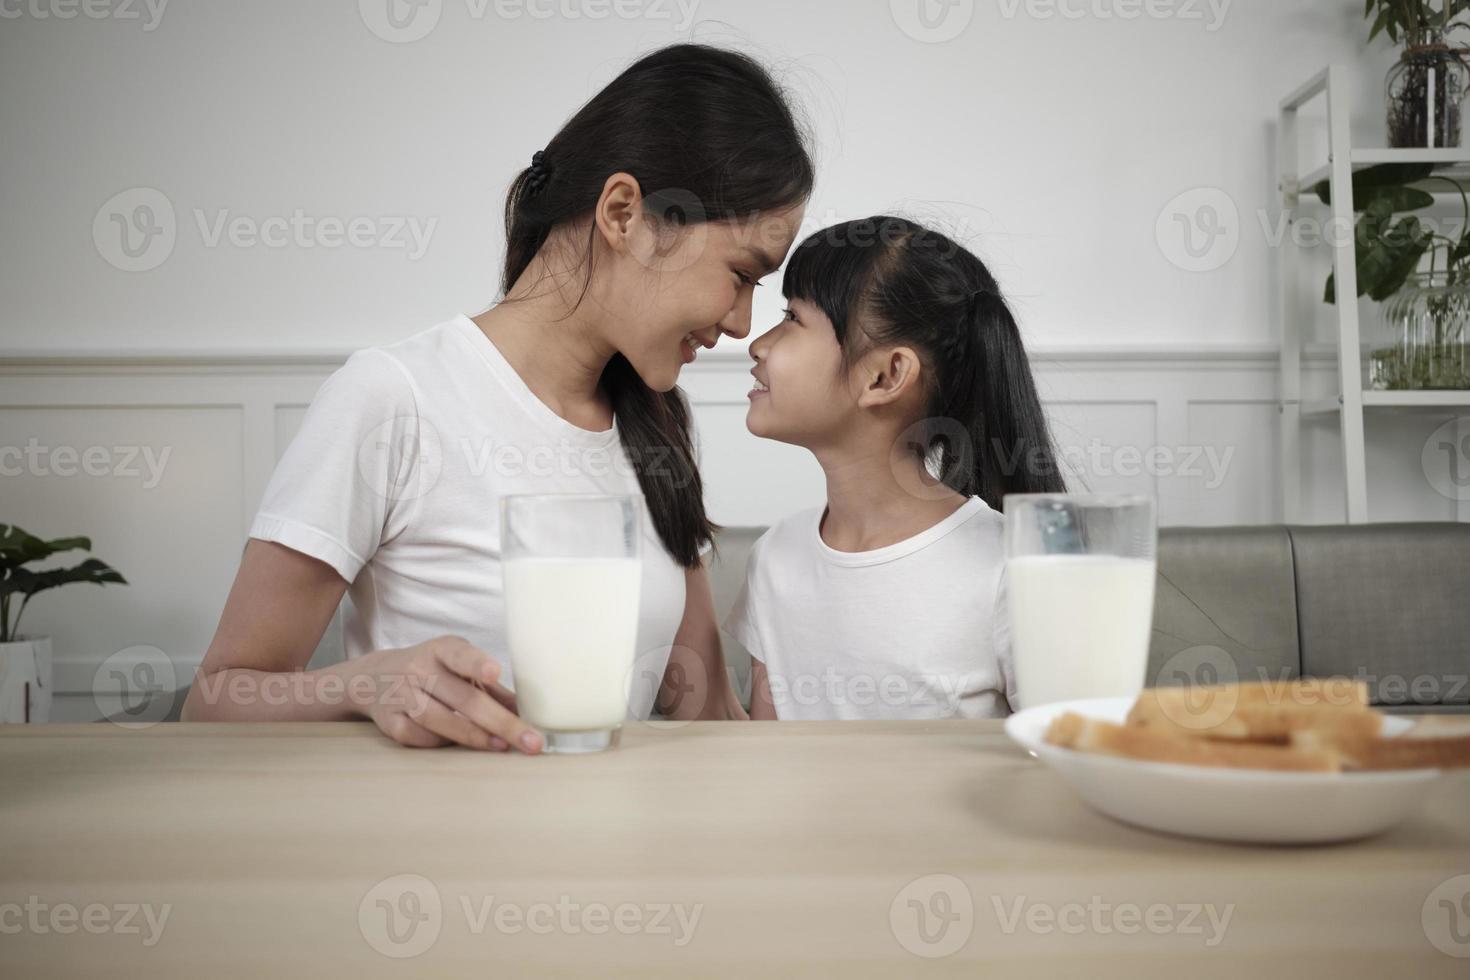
(395, 480)
(917, 629)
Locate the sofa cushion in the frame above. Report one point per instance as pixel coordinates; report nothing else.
(726, 576)
(1389, 603)
(1224, 607)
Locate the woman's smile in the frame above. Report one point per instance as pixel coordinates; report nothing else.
(692, 344)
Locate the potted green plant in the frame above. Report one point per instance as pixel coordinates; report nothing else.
(1419, 274)
(25, 661)
(1425, 88)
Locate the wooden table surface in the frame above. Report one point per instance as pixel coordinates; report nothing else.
(791, 849)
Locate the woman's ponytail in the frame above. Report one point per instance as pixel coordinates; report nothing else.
(710, 124)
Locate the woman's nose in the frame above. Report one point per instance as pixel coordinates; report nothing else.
(737, 321)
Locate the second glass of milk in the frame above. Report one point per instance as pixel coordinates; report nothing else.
(573, 568)
(1080, 583)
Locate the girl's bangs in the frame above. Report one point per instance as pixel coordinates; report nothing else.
(831, 272)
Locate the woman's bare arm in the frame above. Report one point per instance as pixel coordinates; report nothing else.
(695, 683)
(439, 692)
(276, 613)
(762, 707)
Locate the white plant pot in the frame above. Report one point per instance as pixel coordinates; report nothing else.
(25, 680)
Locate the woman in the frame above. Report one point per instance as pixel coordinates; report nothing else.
(635, 237)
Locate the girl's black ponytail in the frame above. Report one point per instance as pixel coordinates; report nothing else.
(1013, 447)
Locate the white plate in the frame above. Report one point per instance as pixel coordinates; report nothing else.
(1254, 805)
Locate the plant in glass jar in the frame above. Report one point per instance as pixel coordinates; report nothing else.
(1420, 274)
(1425, 88)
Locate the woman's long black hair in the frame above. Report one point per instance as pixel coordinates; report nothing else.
(888, 281)
(709, 137)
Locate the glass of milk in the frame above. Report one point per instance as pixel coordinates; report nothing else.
(1080, 586)
(573, 566)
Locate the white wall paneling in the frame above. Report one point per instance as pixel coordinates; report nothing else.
(216, 424)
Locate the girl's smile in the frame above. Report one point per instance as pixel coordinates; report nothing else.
(760, 388)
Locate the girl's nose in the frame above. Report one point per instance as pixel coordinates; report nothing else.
(758, 346)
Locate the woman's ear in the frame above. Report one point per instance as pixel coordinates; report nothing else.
(887, 375)
(619, 211)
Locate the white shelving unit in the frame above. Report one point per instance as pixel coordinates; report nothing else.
(1296, 193)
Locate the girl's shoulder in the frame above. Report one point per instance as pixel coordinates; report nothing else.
(789, 532)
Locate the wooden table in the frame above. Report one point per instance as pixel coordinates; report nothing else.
(795, 849)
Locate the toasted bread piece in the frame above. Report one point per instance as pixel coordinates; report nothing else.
(1436, 726)
(1064, 729)
(1253, 722)
(1341, 692)
(1135, 742)
(1367, 752)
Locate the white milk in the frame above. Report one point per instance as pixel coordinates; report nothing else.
(573, 626)
(1080, 626)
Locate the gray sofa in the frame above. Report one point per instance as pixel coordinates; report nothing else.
(1389, 603)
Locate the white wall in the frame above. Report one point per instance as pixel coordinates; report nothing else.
(1050, 142)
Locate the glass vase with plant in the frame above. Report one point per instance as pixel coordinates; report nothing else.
(1426, 88)
(1420, 274)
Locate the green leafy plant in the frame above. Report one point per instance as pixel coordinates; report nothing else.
(1428, 84)
(18, 549)
(1389, 249)
(1416, 21)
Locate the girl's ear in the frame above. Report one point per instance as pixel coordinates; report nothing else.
(888, 375)
(619, 211)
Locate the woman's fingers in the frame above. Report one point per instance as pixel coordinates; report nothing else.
(487, 712)
(439, 719)
(456, 655)
(405, 731)
(504, 695)
(452, 698)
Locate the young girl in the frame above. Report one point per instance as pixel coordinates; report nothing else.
(900, 367)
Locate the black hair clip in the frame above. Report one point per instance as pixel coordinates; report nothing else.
(538, 175)
(972, 302)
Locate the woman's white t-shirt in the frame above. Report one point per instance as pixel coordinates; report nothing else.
(917, 629)
(395, 480)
